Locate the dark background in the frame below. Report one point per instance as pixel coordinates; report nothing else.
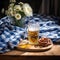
(3, 4)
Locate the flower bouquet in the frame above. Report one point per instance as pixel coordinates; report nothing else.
(18, 12)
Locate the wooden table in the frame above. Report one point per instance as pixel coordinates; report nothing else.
(15, 54)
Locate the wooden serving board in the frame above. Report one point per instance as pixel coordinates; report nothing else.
(31, 48)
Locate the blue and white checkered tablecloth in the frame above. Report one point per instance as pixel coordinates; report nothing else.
(10, 35)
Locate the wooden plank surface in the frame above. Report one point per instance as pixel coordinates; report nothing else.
(55, 50)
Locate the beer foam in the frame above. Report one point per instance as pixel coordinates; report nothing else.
(33, 29)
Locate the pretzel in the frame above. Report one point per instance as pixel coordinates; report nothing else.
(44, 42)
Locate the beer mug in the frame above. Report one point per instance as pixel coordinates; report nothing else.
(33, 33)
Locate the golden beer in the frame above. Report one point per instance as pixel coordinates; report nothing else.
(33, 37)
(33, 33)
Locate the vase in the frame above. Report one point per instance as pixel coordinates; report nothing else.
(20, 23)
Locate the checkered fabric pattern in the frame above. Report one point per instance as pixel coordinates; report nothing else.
(10, 35)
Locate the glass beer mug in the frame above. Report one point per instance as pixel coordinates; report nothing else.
(33, 33)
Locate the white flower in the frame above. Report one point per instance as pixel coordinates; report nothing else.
(11, 13)
(7, 13)
(12, 0)
(17, 16)
(27, 10)
(11, 5)
(17, 7)
(2, 10)
(21, 3)
(10, 10)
